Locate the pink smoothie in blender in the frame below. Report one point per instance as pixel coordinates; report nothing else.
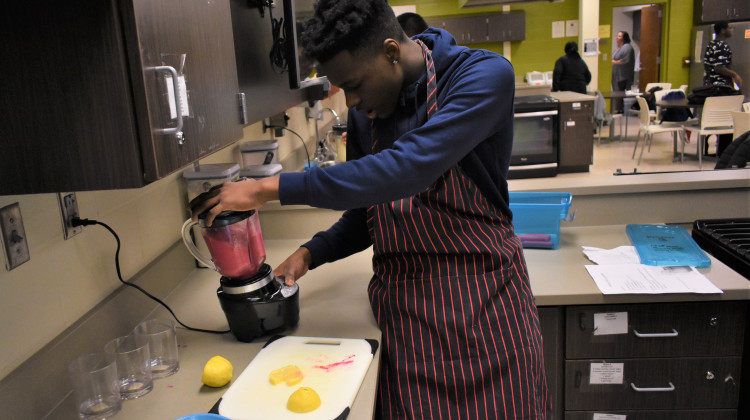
(235, 243)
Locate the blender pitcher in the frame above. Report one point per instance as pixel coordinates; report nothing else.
(234, 241)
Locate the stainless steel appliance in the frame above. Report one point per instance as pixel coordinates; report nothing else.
(254, 302)
(535, 137)
(739, 42)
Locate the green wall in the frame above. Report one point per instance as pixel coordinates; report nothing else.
(539, 50)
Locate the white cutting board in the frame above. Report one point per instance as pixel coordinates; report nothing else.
(333, 367)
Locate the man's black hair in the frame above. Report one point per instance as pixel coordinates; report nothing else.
(349, 25)
(718, 26)
(412, 23)
(625, 37)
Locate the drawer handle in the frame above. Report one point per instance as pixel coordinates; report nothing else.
(637, 389)
(674, 333)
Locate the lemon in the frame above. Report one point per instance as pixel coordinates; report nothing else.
(217, 372)
(290, 374)
(303, 400)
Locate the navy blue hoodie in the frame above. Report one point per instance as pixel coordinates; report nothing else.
(472, 128)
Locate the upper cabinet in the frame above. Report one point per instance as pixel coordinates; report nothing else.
(106, 94)
(707, 11)
(474, 29)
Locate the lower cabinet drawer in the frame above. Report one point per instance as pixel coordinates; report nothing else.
(646, 384)
(658, 330)
(653, 415)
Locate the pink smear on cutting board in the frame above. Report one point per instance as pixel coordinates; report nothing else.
(346, 361)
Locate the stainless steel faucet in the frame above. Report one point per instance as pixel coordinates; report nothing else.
(319, 116)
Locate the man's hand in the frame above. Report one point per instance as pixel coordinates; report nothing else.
(235, 196)
(294, 267)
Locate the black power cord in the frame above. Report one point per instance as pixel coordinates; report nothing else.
(279, 61)
(87, 222)
(309, 164)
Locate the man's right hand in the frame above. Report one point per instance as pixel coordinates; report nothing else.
(294, 267)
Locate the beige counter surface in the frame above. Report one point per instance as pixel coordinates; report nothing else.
(559, 277)
(333, 300)
(333, 303)
(567, 96)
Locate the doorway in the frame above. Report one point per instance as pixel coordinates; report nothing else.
(644, 24)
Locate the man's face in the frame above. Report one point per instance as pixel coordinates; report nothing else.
(371, 83)
(620, 38)
(728, 31)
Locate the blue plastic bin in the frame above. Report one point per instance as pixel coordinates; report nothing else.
(537, 215)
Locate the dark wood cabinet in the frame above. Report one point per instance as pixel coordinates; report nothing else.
(89, 99)
(473, 29)
(507, 26)
(656, 383)
(659, 361)
(708, 11)
(669, 329)
(553, 338)
(576, 136)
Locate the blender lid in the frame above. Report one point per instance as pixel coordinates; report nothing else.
(226, 218)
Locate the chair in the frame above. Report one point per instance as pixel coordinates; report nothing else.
(648, 130)
(716, 118)
(601, 115)
(741, 121)
(628, 103)
(663, 86)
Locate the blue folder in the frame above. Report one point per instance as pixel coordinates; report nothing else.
(663, 245)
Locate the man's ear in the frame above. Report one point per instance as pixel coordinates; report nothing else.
(392, 50)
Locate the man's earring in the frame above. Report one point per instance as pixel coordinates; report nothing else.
(395, 61)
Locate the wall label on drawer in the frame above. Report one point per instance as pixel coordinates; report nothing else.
(606, 373)
(609, 416)
(607, 323)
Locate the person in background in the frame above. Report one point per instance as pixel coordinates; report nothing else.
(571, 73)
(717, 60)
(412, 23)
(430, 132)
(623, 68)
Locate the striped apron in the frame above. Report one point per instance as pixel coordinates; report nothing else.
(450, 292)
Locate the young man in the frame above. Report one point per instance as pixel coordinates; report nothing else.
(717, 59)
(430, 131)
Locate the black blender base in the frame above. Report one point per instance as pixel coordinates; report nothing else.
(256, 312)
(250, 320)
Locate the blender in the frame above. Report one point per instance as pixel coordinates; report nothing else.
(254, 302)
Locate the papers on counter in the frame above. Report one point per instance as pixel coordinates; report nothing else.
(619, 272)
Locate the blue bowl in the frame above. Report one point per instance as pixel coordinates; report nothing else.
(203, 416)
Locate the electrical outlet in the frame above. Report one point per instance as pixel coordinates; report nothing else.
(275, 122)
(14, 236)
(69, 210)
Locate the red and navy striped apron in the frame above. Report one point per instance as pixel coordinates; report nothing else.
(450, 292)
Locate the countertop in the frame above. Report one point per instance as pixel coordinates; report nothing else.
(567, 96)
(333, 301)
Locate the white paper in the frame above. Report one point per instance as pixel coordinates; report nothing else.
(619, 255)
(608, 323)
(571, 28)
(609, 416)
(606, 373)
(639, 278)
(558, 29)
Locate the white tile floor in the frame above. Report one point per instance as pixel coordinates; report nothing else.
(613, 154)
